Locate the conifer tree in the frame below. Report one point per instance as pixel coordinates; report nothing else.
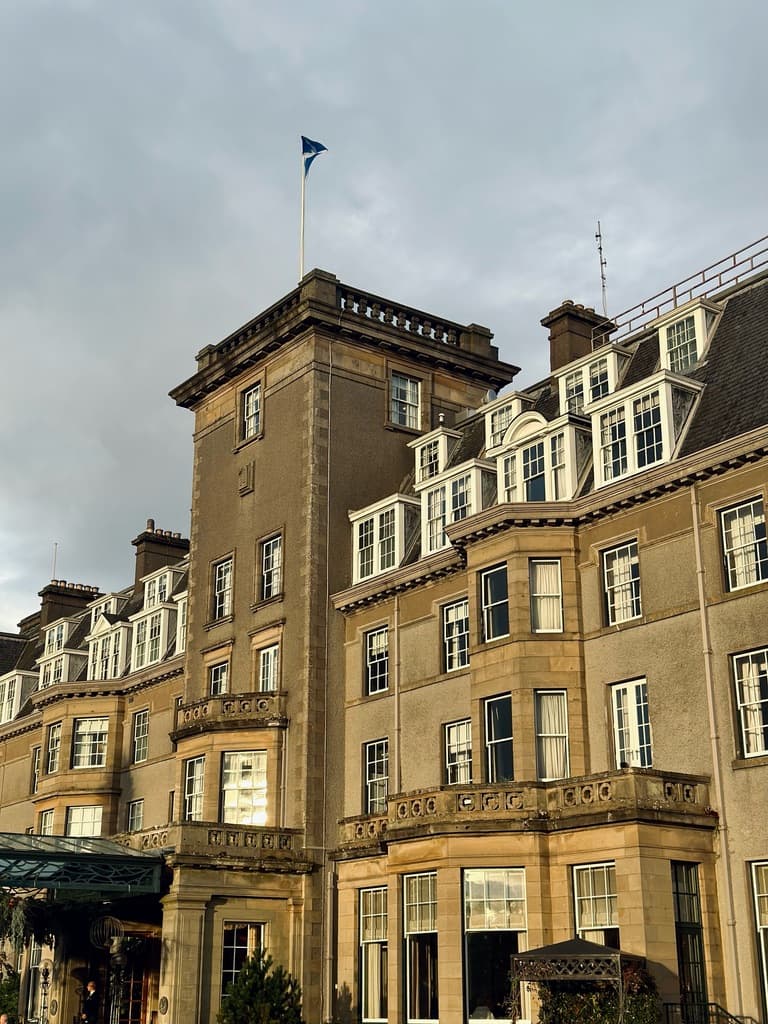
(262, 994)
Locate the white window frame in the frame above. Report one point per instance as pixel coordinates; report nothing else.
(271, 567)
(140, 736)
(376, 776)
(250, 412)
(630, 715)
(489, 604)
(373, 938)
(546, 599)
(419, 918)
(218, 678)
(494, 742)
(194, 788)
(457, 740)
(552, 741)
(455, 621)
(750, 680)
(234, 954)
(378, 536)
(429, 460)
(84, 820)
(555, 445)
(596, 903)
(759, 872)
(134, 816)
(500, 420)
(269, 668)
(404, 400)
(745, 549)
(10, 688)
(181, 625)
(244, 787)
(376, 653)
(681, 346)
(621, 583)
(90, 737)
(45, 823)
(53, 748)
(222, 577)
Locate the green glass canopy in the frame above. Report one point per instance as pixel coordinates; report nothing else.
(69, 862)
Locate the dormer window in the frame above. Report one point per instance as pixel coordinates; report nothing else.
(380, 535)
(156, 591)
(106, 655)
(642, 430)
(543, 461)
(452, 500)
(499, 416)
(684, 334)
(500, 420)
(431, 451)
(590, 378)
(54, 638)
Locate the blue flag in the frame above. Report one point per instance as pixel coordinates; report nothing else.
(310, 150)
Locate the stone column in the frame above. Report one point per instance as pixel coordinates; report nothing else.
(182, 971)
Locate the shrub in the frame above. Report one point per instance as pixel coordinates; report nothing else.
(262, 994)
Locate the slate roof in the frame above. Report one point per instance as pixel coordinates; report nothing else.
(11, 648)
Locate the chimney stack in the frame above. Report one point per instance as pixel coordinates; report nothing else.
(156, 548)
(574, 331)
(60, 599)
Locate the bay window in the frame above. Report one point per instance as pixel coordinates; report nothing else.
(494, 917)
(373, 955)
(498, 738)
(596, 903)
(546, 596)
(244, 787)
(420, 931)
(551, 720)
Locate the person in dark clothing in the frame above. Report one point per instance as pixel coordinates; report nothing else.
(90, 1014)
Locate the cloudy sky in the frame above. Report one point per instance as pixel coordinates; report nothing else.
(149, 196)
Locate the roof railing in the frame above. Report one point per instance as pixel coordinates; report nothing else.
(729, 270)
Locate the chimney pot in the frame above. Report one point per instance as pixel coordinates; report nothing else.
(150, 525)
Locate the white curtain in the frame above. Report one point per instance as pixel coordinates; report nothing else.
(552, 715)
(546, 609)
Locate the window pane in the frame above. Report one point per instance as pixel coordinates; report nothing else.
(546, 600)
(498, 738)
(244, 787)
(621, 576)
(376, 661)
(494, 603)
(751, 677)
(744, 544)
(376, 776)
(456, 635)
(632, 725)
(458, 753)
(552, 734)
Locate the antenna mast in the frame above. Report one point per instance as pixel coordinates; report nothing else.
(55, 553)
(603, 265)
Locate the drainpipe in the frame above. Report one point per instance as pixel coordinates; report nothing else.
(398, 781)
(731, 944)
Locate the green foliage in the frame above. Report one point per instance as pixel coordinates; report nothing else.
(262, 995)
(597, 1002)
(9, 989)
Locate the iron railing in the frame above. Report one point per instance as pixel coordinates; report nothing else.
(701, 1013)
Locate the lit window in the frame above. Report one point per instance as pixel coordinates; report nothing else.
(498, 738)
(534, 479)
(244, 787)
(494, 915)
(420, 932)
(546, 596)
(494, 603)
(458, 753)
(194, 769)
(54, 748)
(597, 917)
(83, 821)
(218, 679)
(141, 736)
(269, 668)
(135, 815)
(621, 582)
(744, 544)
(251, 413)
(373, 955)
(271, 567)
(404, 401)
(750, 673)
(46, 823)
(574, 391)
(222, 589)
(631, 725)
(551, 734)
(376, 661)
(681, 344)
(89, 749)
(429, 460)
(241, 942)
(376, 764)
(456, 635)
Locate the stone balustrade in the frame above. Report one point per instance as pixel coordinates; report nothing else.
(383, 311)
(280, 849)
(543, 806)
(230, 711)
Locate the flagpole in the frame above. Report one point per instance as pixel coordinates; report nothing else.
(301, 232)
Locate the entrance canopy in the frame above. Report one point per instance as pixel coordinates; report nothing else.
(69, 862)
(572, 960)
